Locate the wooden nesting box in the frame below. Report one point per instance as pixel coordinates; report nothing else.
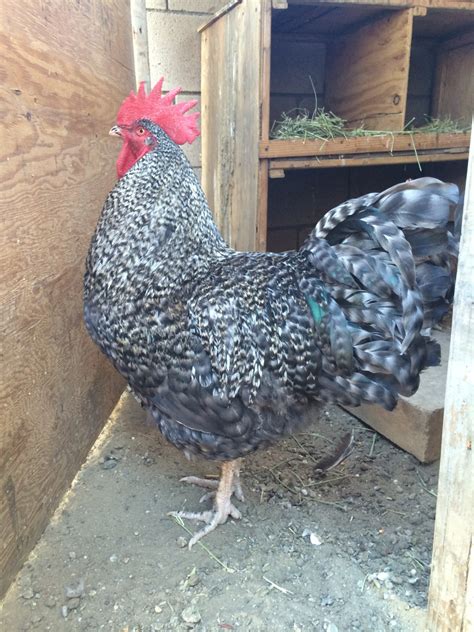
(373, 62)
(377, 63)
(374, 67)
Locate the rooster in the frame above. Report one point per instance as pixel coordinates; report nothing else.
(226, 349)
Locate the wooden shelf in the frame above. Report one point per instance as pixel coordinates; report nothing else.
(465, 5)
(365, 150)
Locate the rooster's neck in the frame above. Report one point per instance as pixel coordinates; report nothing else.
(156, 229)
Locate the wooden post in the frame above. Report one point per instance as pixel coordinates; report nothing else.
(230, 123)
(140, 42)
(263, 165)
(451, 598)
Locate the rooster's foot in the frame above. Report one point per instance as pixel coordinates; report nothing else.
(213, 518)
(208, 483)
(223, 508)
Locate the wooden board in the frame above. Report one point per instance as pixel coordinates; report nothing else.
(387, 143)
(140, 42)
(415, 425)
(453, 93)
(218, 14)
(264, 107)
(265, 70)
(451, 596)
(394, 4)
(65, 70)
(231, 58)
(322, 21)
(371, 160)
(462, 5)
(297, 18)
(371, 90)
(440, 24)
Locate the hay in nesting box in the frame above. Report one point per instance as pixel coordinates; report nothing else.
(444, 125)
(322, 125)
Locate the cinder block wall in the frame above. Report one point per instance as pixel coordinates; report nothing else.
(175, 50)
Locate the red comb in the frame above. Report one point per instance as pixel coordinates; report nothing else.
(171, 117)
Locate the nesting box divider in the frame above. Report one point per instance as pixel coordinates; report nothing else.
(453, 91)
(367, 73)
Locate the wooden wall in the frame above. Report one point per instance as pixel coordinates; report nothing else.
(65, 68)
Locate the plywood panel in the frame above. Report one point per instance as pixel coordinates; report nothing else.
(454, 84)
(371, 90)
(231, 88)
(65, 69)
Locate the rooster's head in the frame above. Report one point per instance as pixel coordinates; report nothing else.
(173, 118)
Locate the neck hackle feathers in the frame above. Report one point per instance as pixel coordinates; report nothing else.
(174, 118)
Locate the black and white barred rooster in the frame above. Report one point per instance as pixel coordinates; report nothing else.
(227, 349)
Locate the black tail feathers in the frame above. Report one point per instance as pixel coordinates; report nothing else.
(388, 260)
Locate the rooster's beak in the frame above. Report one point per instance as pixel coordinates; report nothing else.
(115, 131)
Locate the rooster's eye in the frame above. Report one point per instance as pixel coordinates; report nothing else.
(140, 131)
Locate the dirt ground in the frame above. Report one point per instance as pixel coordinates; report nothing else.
(346, 551)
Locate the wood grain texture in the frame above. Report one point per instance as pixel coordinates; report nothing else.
(265, 70)
(367, 73)
(218, 14)
(464, 5)
(364, 144)
(323, 21)
(451, 596)
(416, 424)
(230, 88)
(264, 134)
(461, 39)
(453, 93)
(65, 69)
(367, 161)
(262, 210)
(140, 42)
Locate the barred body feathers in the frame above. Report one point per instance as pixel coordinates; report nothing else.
(227, 349)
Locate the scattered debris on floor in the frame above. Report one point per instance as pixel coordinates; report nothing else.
(344, 550)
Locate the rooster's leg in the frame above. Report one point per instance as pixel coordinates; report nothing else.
(208, 483)
(223, 508)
